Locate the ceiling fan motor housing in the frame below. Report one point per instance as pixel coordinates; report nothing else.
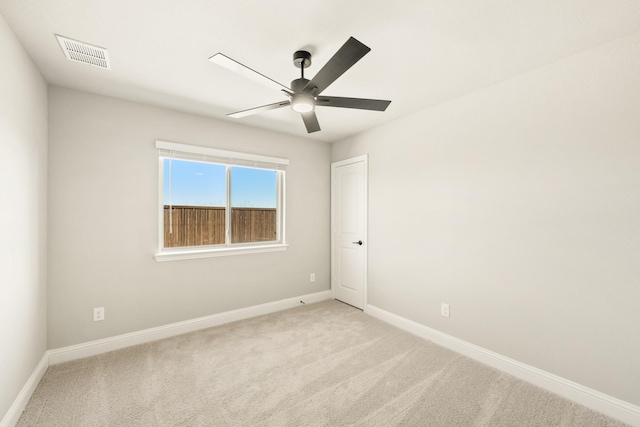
(300, 101)
(298, 84)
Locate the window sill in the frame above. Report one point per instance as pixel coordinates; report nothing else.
(175, 255)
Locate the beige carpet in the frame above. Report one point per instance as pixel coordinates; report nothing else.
(324, 364)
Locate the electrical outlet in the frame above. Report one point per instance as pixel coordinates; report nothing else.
(98, 314)
(312, 277)
(444, 309)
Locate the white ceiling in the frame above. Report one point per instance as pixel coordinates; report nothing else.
(423, 52)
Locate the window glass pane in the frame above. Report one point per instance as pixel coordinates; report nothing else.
(253, 205)
(194, 203)
(194, 183)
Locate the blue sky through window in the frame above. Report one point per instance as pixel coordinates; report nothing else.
(255, 188)
(203, 184)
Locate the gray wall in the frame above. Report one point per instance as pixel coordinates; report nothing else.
(23, 194)
(519, 205)
(103, 221)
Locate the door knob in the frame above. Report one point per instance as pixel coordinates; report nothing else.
(359, 242)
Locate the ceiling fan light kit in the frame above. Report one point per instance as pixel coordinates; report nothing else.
(304, 94)
(302, 103)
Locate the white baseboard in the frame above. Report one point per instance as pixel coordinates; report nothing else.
(93, 348)
(12, 416)
(603, 403)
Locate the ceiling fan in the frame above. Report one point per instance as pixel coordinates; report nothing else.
(304, 94)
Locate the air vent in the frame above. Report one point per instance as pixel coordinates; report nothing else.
(84, 52)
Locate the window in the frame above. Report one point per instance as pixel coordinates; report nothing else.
(215, 202)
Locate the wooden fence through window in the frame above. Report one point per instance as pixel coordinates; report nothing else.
(205, 225)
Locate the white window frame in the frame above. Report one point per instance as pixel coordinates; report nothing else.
(229, 158)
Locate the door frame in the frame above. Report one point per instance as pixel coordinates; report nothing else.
(365, 207)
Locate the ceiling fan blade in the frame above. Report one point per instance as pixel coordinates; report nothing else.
(350, 53)
(243, 70)
(359, 103)
(310, 121)
(256, 110)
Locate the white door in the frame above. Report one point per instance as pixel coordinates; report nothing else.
(349, 230)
